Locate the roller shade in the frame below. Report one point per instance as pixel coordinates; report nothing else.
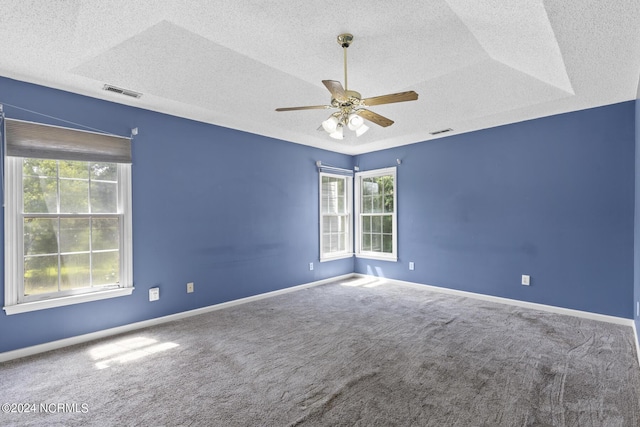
(333, 169)
(29, 139)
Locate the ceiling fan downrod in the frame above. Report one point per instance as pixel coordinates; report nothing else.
(345, 40)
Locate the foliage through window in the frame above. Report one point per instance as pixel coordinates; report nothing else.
(71, 226)
(376, 214)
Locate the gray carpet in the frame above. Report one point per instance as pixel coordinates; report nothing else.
(341, 355)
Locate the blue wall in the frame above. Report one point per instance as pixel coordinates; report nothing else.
(234, 212)
(636, 257)
(552, 198)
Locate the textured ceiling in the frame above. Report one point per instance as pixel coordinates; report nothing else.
(475, 63)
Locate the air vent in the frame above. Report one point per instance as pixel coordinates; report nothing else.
(127, 92)
(438, 132)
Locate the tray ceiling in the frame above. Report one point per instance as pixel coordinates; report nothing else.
(475, 64)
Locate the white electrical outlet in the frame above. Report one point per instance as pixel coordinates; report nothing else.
(310, 266)
(154, 294)
(189, 287)
(412, 266)
(526, 279)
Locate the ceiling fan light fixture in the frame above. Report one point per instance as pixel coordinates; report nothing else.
(362, 129)
(355, 121)
(331, 124)
(352, 107)
(338, 133)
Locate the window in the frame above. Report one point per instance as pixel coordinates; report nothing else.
(67, 222)
(335, 216)
(376, 207)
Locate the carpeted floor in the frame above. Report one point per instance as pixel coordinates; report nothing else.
(340, 354)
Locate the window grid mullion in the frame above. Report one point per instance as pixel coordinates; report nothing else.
(59, 209)
(90, 208)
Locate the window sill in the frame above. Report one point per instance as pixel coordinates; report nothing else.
(26, 307)
(377, 257)
(333, 258)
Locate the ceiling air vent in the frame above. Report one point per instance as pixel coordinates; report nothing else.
(438, 132)
(127, 92)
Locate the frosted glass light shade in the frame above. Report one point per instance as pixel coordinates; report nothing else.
(362, 129)
(337, 134)
(355, 121)
(330, 125)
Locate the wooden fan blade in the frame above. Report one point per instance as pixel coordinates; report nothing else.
(309, 107)
(391, 98)
(336, 89)
(375, 118)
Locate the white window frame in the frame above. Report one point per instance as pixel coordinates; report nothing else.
(14, 237)
(348, 185)
(383, 256)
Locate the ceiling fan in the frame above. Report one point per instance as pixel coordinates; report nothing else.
(351, 107)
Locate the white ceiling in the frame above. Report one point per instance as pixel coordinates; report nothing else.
(474, 63)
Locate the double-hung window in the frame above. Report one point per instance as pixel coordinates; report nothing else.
(376, 221)
(335, 216)
(67, 216)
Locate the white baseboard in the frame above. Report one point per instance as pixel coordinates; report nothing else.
(54, 345)
(525, 304)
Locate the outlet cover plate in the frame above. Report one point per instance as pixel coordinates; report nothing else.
(189, 287)
(154, 294)
(526, 279)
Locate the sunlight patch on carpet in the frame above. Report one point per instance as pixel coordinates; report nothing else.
(126, 350)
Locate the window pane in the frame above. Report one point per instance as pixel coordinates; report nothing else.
(106, 268)
(105, 234)
(367, 204)
(343, 227)
(370, 186)
(377, 204)
(376, 224)
(40, 274)
(71, 169)
(330, 224)
(74, 271)
(387, 182)
(376, 243)
(333, 195)
(74, 196)
(104, 197)
(387, 243)
(104, 171)
(334, 246)
(326, 243)
(39, 195)
(74, 234)
(387, 224)
(342, 242)
(366, 224)
(40, 168)
(366, 241)
(388, 203)
(40, 236)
